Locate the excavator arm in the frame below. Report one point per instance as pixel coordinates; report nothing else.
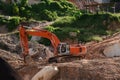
(36, 32)
(59, 47)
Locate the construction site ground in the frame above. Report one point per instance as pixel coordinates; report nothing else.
(94, 66)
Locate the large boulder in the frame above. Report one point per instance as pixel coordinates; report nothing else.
(113, 50)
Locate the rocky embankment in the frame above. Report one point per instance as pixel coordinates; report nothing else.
(96, 65)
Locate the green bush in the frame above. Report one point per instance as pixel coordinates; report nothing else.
(3, 20)
(55, 6)
(48, 15)
(25, 13)
(25, 9)
(64, 22)
(51, 28)
(13, 23)
(37, 8)
(15, 9)
(42, 10)
(59, 8)
(7, 8)
(62, 31)
(23, 2)
(89, 25)
(57, 31)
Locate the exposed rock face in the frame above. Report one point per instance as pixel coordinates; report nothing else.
(15, 60)
(39, 51)
(9, 43)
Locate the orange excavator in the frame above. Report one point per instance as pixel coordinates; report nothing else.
(60, 48)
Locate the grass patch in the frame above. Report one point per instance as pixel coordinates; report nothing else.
(89, 26)
(11, 22)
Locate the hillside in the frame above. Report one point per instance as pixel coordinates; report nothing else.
(99, 32)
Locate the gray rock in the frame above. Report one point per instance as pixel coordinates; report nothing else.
(112, 51)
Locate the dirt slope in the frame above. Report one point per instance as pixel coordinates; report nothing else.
(95, 66)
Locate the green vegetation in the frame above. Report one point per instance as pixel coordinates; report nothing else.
(89, 26)
(45, 10)
(67, 18)
(11, 22)
(48, 10)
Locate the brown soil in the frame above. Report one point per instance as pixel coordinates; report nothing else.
(95, 66)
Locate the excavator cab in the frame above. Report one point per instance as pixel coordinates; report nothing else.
(63, 49)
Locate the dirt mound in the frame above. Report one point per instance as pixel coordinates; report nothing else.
(97, 69)
(14, 59)
(95, 49)
(94, 66)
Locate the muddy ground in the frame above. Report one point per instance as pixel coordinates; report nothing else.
(94, 66)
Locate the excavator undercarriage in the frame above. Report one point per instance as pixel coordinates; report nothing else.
(64, 58)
